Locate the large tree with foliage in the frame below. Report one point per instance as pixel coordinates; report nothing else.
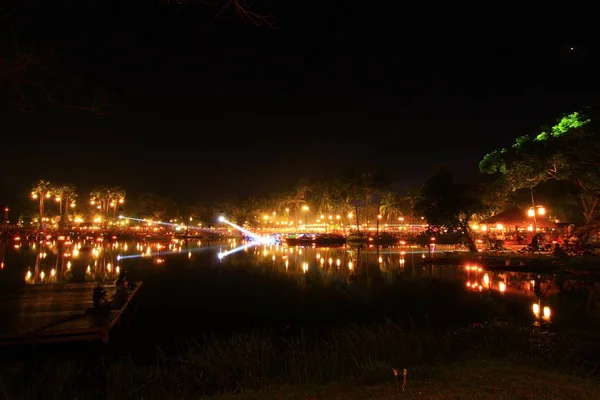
(449, 205)
(569, 151)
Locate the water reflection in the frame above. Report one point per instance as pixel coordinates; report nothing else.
(87, 259)
(545, 297)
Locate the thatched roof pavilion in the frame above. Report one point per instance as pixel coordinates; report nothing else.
(518, 217)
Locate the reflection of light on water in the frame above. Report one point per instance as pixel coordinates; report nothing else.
(350, 265)
(546, 311)
(474, 286)
(304, 266)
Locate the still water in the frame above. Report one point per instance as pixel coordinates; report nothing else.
(549, 298)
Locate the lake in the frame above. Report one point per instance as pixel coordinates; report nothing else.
(191, 286)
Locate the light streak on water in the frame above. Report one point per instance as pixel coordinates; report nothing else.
(163, 223)
(241, 229)
(163, 253)
(239, 248)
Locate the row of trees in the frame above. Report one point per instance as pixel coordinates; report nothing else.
(102, 199)
(560, 163)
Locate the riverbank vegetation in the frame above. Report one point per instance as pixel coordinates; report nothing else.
(492, 360)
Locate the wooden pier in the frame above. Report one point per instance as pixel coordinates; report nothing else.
(59, 313)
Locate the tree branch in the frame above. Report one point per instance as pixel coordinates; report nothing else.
(242, 8)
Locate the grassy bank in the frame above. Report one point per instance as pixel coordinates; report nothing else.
(202, 332)
(477, 379)
(353, 355)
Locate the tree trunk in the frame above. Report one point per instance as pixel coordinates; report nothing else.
(589, 208)
(41, 213)
(467, 235)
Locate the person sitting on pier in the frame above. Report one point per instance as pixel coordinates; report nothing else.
(122, 282)
(558, 251)
(99, 298)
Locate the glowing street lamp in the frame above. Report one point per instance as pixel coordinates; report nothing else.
(535, 211)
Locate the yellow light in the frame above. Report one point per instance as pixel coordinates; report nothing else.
(499, 226)
(536, 309)
(547, 312)
(541, 211)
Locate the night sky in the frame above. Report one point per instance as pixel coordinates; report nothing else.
(206, 107)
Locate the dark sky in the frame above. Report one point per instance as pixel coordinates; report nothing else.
(205, 107)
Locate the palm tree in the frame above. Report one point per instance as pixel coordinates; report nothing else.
(390, 206)
(352, 183)
(296, 200)
(41, 190)
(411, 196)
(322, 196)
(106, 198)
(66, 194)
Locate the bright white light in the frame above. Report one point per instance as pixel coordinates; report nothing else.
(221, 219)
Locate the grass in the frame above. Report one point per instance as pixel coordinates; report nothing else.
(305, 339)
(360, 359)
(478, 379)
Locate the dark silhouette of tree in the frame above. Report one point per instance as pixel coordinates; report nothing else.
(33, 77)
(449, 205)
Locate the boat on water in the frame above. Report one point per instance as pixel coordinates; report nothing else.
(330, 239)
(303, 239)
(308, 239)
(383, 238)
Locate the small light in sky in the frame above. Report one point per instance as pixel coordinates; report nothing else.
(572, 48)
